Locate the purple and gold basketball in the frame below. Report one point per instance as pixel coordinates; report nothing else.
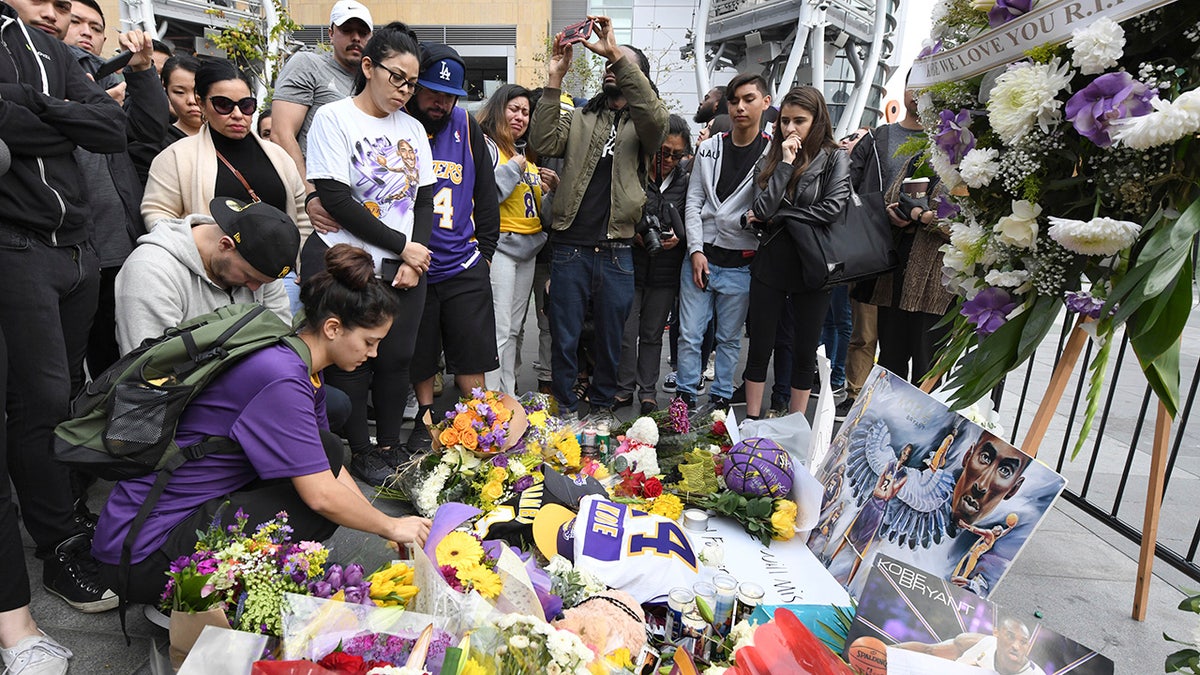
(758, 467)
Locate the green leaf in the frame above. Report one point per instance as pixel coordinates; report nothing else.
(1098, 367)
(1184, 658)
(1159, 323)
(759, 508)
(1163, 375)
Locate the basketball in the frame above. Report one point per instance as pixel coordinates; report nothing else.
(868, 655)
(758, 467)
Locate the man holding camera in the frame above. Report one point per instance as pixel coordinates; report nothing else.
(599, 206)
(657, 259)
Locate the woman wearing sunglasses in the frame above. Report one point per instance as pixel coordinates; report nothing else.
(225, 159)
(373, 170)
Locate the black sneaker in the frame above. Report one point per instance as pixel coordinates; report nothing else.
(369, 467)
(688, 399)
(419, 440)
(73, 574)
(718, 403)
(648, 407)
(739, 394)
(843, 410)
(84, 518)
(619, 402)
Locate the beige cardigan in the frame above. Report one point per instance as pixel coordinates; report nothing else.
(183, 179)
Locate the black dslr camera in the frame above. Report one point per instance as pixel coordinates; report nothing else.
(652, 228)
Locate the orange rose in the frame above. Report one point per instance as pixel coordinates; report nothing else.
(468, 438)
(462, 421)
(449, 437)
(503, 413)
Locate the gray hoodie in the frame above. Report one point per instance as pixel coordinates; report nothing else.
(163, 283)
(708, 219)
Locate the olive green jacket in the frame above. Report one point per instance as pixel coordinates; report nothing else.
(579, 139)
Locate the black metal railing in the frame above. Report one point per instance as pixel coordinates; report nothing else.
(1106, 479)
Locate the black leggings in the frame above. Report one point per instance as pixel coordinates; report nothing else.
(260, 501)
(385, 377)
(762, 320)
(14, 592)
(908, 336)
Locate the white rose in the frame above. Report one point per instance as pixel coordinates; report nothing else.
(1021, 228)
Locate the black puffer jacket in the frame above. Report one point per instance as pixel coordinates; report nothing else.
(662, 270)
(47, 107)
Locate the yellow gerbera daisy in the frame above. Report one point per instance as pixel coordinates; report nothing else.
(458, 549)
(483, 580)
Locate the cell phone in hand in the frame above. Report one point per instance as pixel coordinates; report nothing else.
(112, 65)
(577, 32)
(389, 269)
(704, 281)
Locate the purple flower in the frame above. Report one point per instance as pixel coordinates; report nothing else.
(354, 595)
(930, 50)
(1111, 96)
(500, 461)
(523, 483)
(320, 589)
(1007, 10)
(953, 134)
(206, 566)
(353, 574)
(478, 393)
(1083, 303)
(988, 310)
(946, 208)
(334, 577)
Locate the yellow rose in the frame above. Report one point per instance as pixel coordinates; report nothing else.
(449, 437)
(783, 520)
(492, 491)
(497, 474)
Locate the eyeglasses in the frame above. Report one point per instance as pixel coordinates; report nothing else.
(397, 79)
(225, 105)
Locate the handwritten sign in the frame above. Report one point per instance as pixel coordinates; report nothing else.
(787, 570)
(1049, 23)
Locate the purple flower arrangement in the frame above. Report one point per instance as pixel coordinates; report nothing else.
(1112, 96)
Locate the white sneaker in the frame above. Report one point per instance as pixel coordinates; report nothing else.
(411, 407)
(36, 655)
(710, 371)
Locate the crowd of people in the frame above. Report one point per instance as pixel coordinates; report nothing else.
(406, 238)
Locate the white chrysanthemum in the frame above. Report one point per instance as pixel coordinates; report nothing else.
(426, 499)
(1098, 236)
(979, 167)
(1097, 47)
(1026, 95)
(1170, 121)
(1011, 279)
(964, 248)
(1021, 228)
(518, 642)
(941, 9)
(945, 170)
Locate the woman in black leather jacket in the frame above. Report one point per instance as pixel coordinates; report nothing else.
(804, 182)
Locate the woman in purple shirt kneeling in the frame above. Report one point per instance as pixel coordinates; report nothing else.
(273, 405)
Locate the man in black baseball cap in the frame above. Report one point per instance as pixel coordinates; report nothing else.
(186, 268)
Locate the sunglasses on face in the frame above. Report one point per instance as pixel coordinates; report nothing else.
(676, 155)
(397, 79)
(225, 105)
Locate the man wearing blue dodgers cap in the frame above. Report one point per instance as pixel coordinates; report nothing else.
(459, 317)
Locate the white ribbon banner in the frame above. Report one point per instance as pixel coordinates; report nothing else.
(1049, 23)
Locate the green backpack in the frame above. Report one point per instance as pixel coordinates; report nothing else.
(122, 425)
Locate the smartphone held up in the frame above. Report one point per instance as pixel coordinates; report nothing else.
(577, 32)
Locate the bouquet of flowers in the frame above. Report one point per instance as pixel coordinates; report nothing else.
(246, 574)
(525, 644)
(1072, 181)
(466, 566)
(392, 585)
(571, 584)
(487, 423)
(763, 517)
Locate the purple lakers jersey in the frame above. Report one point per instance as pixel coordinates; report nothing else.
(452, 244)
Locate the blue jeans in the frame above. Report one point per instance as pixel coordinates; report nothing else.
(728, 295)
(836, 333)
(602, 278)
